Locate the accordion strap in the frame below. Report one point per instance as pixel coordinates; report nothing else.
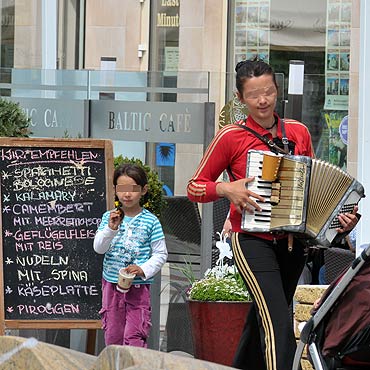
(284, 139)
(270, 142)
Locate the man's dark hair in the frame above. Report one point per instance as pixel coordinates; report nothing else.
(252, 68)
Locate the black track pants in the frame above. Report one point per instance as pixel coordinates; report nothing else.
(271, 273)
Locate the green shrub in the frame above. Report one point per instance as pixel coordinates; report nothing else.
(156, 201)
(13, 120)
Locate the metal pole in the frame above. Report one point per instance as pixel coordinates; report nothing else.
(207, 208)
(155, 297)
(363, 138)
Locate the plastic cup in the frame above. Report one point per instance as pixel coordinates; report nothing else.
(124, 280)
(270, 166)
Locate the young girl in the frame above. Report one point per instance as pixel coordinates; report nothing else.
(132, 238)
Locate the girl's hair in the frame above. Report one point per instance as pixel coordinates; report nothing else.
(134, 171)
(252, 68)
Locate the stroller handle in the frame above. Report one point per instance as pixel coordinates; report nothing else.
(308, 333)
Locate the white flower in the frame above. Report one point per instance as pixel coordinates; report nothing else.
(220, 283)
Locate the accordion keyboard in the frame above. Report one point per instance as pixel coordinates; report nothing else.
(284, 200)
(306, 197)
(262, 188)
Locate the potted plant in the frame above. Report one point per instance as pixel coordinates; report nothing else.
(218, 306)
(220, 283)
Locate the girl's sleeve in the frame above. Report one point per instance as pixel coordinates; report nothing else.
(157, 259)
(104, 235)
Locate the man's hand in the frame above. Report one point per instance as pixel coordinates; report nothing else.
(239, 195)
(347, 220)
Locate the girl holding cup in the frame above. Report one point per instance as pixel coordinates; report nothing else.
(132, 238)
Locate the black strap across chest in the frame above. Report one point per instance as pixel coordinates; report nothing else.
(272, 145)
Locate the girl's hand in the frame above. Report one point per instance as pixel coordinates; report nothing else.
(115, 219)
(239, 195)
(135, 269)
(347, 220)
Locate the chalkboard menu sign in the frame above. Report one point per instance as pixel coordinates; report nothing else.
(53, 194)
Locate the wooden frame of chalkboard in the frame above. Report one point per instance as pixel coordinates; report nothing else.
(53, 193)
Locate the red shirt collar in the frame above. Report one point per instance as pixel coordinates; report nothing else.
(250, 122)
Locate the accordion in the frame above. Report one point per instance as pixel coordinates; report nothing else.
(306, 197)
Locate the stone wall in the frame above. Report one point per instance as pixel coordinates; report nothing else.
(305, 296)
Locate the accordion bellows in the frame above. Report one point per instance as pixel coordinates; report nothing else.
(306, 197)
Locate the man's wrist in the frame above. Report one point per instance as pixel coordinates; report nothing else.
(220, 189)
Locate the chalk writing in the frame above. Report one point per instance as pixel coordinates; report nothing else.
(47, 208)
(40, 183)
(43, 260)
(49, 309)
(36, 290)
(29, 275)
(56, 195)
(47, 171)
(45, 245)
(22, 235)
(48, 155)
(69, 275)
(66, 221)
(51, 203)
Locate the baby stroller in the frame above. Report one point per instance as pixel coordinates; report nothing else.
(337, 335)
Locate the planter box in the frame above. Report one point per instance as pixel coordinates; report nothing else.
(216, 329)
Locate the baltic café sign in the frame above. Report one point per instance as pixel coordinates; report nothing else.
(170, 17)
(147, 121)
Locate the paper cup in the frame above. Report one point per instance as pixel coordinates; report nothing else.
(270, 166)
(124, 280)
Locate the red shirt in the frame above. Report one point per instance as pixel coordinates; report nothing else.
(228, 150)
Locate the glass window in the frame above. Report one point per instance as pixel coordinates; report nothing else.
(164, 42)
(164, 56)
(7, 43)
(70, 34)
(316, 32)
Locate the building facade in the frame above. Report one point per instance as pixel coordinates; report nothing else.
(196, 43)
(189, 48)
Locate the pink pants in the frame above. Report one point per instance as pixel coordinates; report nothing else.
(126, 316)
